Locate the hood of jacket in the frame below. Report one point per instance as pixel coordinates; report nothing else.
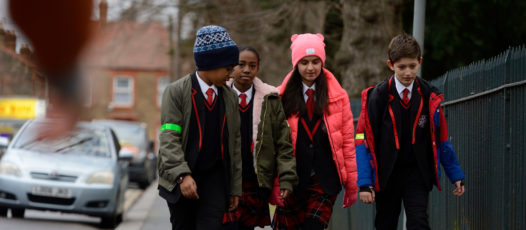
(262, 90)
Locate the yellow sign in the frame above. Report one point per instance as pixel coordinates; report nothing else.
(20, 108)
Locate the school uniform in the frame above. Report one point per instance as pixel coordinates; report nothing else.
(324, 146)
(208, 162)
(266, 145)
(319, 182)
(405, 123)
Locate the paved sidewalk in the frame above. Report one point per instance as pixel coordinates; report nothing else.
(158, 216)
(139, 214)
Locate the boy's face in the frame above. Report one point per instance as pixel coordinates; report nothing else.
(219, 76)
(309, 68)
(405, 69)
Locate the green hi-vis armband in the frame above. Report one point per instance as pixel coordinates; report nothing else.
(359, 136)
(173, 127)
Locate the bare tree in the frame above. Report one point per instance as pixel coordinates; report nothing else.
(368, 28)
(358, 59)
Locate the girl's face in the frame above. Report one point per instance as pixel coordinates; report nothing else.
(309, 68)
(247, 69)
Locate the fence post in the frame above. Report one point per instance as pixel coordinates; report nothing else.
(446, 75)
(507, 124)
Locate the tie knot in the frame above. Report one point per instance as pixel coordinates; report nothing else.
(309, 92)
(243, 96)
(210, 92)
(406, 92)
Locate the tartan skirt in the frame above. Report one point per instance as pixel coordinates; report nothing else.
(253, 209)
(313, 203)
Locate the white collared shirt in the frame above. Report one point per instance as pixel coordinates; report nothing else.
(205, 87)
(400, 88)
(248, 93)
(305, 88)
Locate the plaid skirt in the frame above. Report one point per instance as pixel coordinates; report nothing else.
(253, 209)
(313, 203)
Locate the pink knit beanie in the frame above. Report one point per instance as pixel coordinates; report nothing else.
(307, 45)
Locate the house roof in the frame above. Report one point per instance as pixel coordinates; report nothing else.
(130, 45)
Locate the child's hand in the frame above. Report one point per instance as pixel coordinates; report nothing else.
(367, 197)
(189, 188)
(234, 201)
(459, 190)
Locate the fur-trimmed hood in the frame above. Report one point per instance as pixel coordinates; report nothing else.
(262, 90)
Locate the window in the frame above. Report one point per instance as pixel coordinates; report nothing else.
(123, 91)
(162, 83)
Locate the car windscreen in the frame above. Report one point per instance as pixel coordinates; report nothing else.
(81, 141)
(129, 134)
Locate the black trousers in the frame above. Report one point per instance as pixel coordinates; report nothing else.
(408, 186)
(206, 213)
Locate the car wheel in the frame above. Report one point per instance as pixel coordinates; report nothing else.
(18, 212)
(3, 212)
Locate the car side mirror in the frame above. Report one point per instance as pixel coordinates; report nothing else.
(125, 154)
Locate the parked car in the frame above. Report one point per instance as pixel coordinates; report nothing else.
(4, 141)
(79, 173)
(8, 128)
(133, 136)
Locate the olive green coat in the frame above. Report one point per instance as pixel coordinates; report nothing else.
(176, 111)
(273, 152)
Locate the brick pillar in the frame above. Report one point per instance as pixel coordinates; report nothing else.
(10, 40)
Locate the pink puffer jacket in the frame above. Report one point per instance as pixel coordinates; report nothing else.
(339, 121)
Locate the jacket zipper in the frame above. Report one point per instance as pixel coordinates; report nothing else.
(261, 140)
(333, 151)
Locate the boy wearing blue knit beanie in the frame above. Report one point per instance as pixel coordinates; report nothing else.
(199, 155)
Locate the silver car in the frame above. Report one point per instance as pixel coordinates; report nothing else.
(133, 137)
(80, 173)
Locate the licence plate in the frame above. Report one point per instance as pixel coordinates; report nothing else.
(51, 191)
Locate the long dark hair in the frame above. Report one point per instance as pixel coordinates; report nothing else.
(293, 100)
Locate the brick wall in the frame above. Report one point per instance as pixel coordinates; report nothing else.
(144, 109)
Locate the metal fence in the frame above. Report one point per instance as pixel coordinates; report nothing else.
(485, 108)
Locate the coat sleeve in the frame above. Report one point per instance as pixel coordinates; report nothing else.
(236, 167)
(447, 155)
(363, 156)
(286, 162)
(171, 162)
(349, 152)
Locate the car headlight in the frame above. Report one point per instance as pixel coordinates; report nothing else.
(104, 177)
(9, 168)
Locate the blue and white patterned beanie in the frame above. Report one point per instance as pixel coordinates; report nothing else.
(213, 48)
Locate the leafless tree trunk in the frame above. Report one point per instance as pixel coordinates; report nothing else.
(359, 61)
(368, 28)
(268, 29)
